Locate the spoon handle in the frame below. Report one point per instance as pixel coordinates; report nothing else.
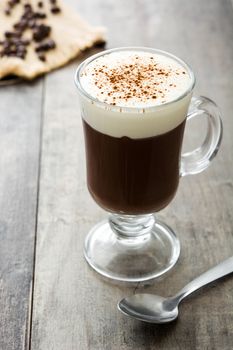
(221, 270)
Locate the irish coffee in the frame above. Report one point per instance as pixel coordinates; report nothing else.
(134, 127)
(134, 102)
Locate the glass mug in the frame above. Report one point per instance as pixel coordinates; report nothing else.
(132, 178)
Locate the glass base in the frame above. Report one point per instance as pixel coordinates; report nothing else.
(132, 259)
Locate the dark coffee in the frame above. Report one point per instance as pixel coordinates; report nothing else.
(133, 176)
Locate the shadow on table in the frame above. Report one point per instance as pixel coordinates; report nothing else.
(148, 335)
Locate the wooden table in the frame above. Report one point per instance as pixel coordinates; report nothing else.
(49, 297)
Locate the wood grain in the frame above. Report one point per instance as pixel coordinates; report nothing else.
(73, 307)
(20, 116)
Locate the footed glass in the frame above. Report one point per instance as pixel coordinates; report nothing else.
(132, 245)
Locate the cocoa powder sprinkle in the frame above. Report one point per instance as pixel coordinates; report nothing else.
(138, 79)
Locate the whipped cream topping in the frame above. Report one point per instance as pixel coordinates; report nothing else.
(135, 79)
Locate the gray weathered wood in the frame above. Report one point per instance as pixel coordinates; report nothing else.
(20, 115)
(73, 307)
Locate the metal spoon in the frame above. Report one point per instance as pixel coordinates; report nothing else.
(156, 309)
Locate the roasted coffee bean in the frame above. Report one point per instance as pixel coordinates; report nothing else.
(27, 16)
(11, 52)
(7, 11)
(100, 43)
(41, 57)
(55, 10)
(11, 3)
(21, 26)
(28, 6)
(8, 34)
(41, 32)
(39, 48)
(39, 15)
(7, 52)
(13, 34)
(48, 45)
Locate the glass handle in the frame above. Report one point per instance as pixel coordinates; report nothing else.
(199, 159)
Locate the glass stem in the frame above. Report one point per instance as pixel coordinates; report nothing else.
(131, 226)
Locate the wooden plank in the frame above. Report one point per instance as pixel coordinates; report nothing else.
(20, 117)
(73, 307)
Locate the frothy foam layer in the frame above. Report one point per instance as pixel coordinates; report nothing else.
(135, 79)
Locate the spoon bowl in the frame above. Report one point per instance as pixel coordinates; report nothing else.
(149, 308)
